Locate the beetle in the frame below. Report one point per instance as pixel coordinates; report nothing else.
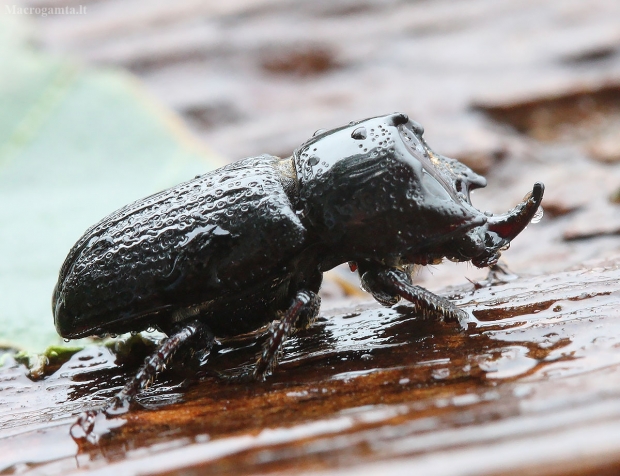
(246, 245)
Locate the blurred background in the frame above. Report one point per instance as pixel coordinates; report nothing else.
(114, 100)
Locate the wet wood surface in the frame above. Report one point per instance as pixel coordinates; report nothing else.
(522, 91)
(533, 384)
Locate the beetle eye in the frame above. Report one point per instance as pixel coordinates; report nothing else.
(359, 133)
(318, 131)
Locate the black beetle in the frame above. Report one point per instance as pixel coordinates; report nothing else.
(246, 245)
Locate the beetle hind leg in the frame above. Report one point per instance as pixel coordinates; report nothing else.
(388, 285)
(194, 331)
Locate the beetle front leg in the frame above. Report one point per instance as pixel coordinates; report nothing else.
(387, 285)
(153, 364)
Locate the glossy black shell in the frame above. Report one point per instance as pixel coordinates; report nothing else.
(220, 242)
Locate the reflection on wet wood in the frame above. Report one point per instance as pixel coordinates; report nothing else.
(533, 383)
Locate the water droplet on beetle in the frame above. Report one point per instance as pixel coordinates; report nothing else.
(318, 132)
(538, 215)
(359, 134)
(313, 160)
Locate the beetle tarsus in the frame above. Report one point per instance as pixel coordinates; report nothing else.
(300, 314)
(153, 364)
(397, 283)
(157, 362)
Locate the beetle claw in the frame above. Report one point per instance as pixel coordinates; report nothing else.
(82, 429)
(92, 425)
(240, 376)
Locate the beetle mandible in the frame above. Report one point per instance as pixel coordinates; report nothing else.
(236, 248)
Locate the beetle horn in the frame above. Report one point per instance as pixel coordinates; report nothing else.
(510, 224)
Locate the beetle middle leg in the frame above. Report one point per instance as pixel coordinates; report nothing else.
(194, 331)
(301, 313)
(388, 285)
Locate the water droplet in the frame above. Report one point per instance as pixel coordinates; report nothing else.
(359, 134)
(313, 160)
(67, 340)
(318, 132)
(441, 373)
(538, 215)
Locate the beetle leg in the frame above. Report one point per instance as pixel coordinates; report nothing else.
(308, 314)
(301, 313)
(388, 285)
(153, 364)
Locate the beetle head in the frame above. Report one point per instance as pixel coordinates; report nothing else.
(375, 190)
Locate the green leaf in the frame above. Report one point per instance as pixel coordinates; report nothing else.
(75, 144)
